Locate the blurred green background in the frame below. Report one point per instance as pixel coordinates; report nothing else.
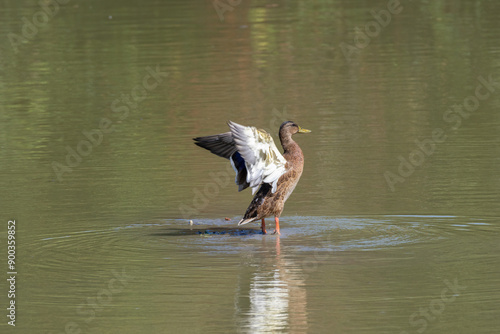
(264, 63)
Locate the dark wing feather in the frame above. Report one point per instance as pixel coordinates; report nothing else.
(224, 146)
(239, 166)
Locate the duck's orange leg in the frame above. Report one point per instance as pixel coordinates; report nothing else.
(263, 226)
(277, 221)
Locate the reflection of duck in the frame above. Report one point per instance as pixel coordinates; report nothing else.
(271, 294)
(258, 164)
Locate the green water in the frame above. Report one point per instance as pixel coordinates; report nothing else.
(393, 228)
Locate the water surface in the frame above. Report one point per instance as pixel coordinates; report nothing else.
(369, 244)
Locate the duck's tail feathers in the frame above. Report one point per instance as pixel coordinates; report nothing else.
(246, 221)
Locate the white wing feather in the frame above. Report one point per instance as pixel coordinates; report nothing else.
(263, 160)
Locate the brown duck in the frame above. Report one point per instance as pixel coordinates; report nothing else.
(259, 164)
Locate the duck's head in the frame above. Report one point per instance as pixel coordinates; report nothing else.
(290, 128)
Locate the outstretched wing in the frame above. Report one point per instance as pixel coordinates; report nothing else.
(264, 162)
(253, 155)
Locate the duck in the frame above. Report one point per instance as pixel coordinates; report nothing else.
(259, 164)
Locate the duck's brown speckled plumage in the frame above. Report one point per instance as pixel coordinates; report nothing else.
(265, 203)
